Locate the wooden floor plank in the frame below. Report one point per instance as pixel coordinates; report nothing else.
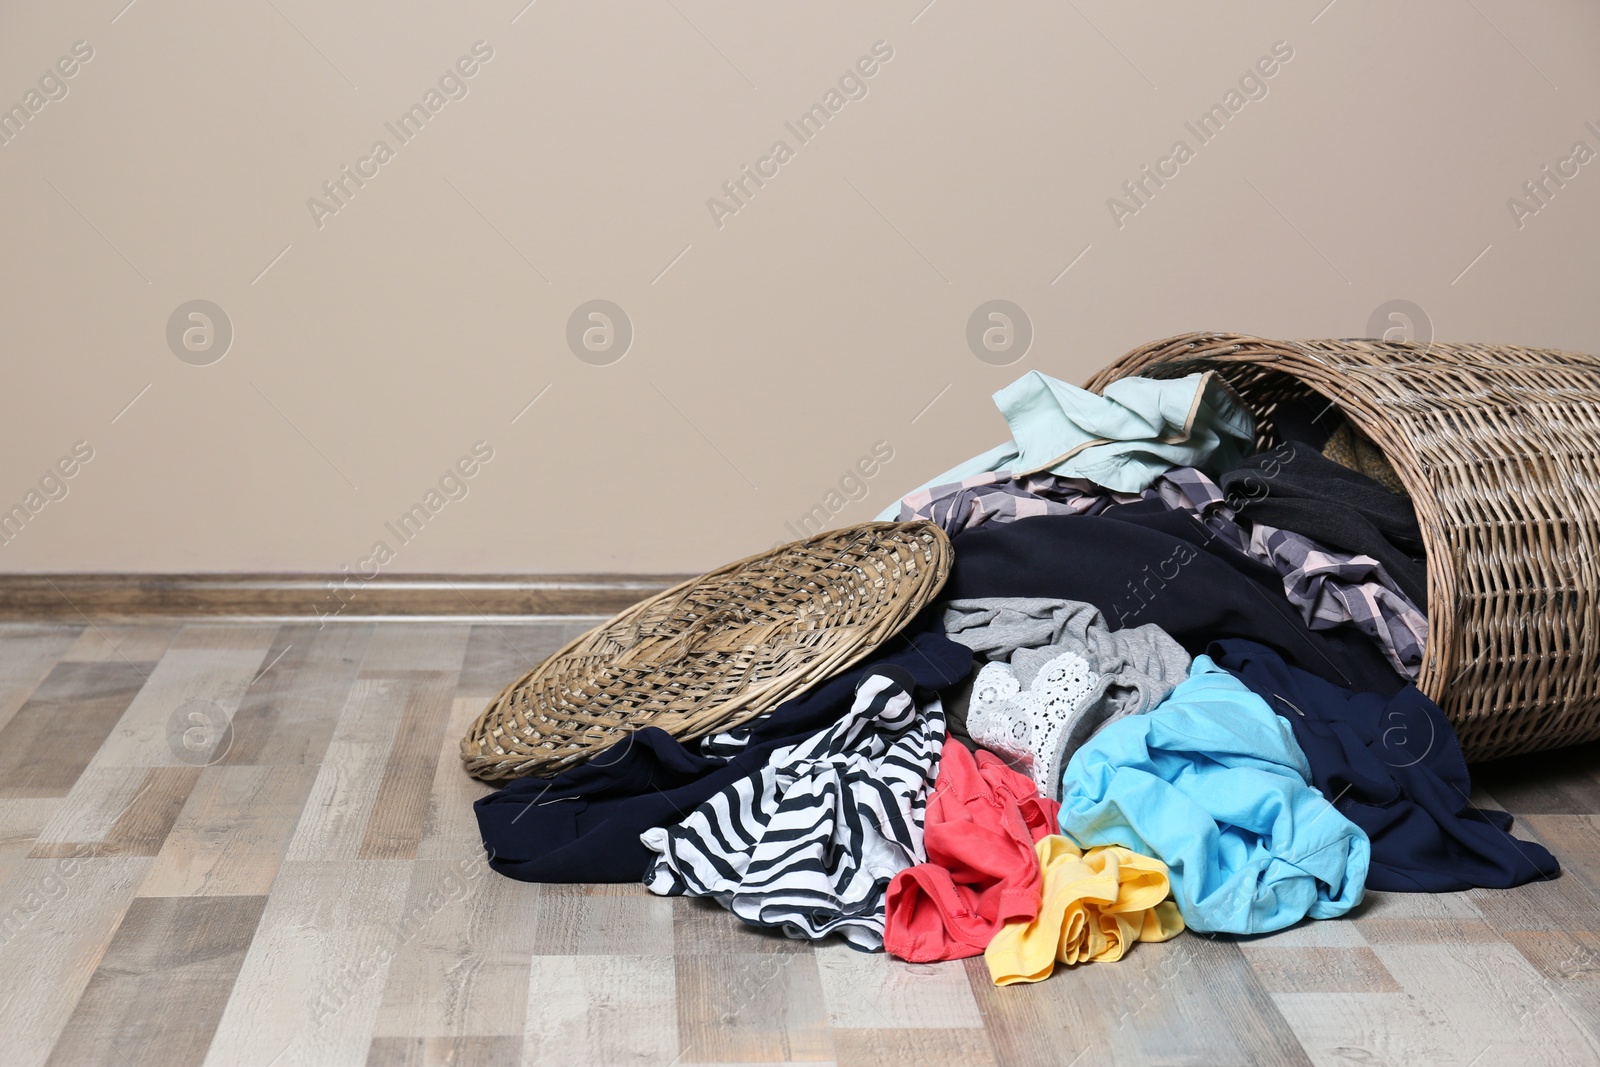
(497, 654)
(600, 919)
(131, 643)
(167, 951)
(1575, 841)
(594, 1010)
(224, 637)
(1461, 1004)
(1422, 918)
(333, 822)
(1568, 957)
(21, 823)
(400, 807)
(1567, 902)
(52, 737)
(311, 982)
(94, 804)
(187, 683)
(1142, 1009)
(287, 715)
(30, 653)
(752, 1008)
(56, 918)
(1375, 1028)
(131, 818)
(143, 826)
(872, 992)
(702, 927)
(416, 646)
(232, 832)
(1310, 933)
(450, 828)
(914, 1048)
(474, 1051)
(463, 964)
(1318, 970)
(1545, 783)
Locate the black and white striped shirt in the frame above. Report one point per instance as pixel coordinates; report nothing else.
(809, 843)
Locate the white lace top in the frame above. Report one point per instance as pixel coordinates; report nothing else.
(1023, 725)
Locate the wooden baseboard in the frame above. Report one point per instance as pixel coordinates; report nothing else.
(72, 597)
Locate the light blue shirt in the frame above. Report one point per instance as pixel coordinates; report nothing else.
(1212, 783)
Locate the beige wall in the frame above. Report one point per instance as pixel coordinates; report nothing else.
(374, 345)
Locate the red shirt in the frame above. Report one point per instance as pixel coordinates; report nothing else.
(982, 871)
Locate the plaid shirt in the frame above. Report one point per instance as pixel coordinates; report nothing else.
(998, 497)
(1330, 588)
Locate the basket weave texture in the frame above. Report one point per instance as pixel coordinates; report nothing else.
(1499, 448)
(715, 651)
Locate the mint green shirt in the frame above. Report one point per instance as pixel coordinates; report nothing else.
(1138, 430)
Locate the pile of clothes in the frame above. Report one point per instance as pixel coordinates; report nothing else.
(1168, 685)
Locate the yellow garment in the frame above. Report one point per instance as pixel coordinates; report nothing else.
(1095, 905)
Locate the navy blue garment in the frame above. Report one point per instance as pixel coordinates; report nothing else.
(583, 825)
(1312, 495)
(1142, 563)
(1393, 766)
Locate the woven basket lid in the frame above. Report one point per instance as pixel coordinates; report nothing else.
(715, 651)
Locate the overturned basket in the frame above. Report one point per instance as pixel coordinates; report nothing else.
(715, 651)
(1499, 448)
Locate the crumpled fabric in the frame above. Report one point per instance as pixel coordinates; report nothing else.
(809, 842)
(1395, 769)
(1295, 487)
(1213, 784)
(1057, 673)
(1121, 439)
(1330, 587)
(1094, 906)
(997, 496)
(1147, 563)
(981, 870)
(583, 825)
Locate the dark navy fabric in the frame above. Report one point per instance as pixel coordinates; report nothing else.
(1393, 766)
(583, 825)
(1344, 509)
(1144, 563)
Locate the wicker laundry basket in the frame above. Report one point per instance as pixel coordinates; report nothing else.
(1499, 448)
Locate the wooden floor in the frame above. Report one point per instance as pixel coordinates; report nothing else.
(307, 887)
